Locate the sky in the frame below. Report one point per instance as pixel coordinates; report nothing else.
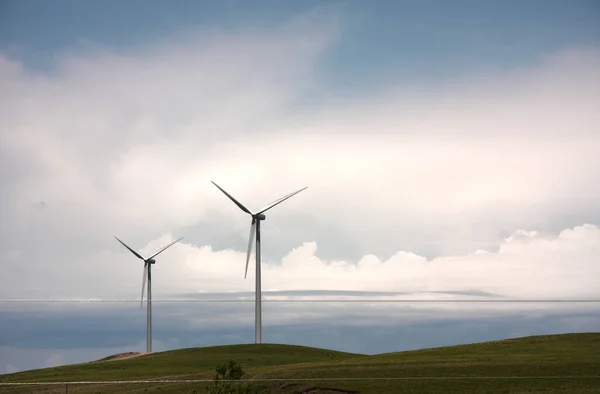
(451, 153)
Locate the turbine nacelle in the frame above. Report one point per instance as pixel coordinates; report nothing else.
(260, 216)
(150, 261)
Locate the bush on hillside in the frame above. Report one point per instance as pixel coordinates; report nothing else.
(227, 372)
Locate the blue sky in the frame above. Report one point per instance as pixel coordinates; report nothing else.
(449, 148)
(417, 40)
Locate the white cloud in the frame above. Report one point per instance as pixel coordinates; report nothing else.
(126, 144)
(553, 267)
(527, 265)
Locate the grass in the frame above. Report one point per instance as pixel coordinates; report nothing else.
(554, 355)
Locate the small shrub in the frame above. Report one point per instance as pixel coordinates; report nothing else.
(226, 373)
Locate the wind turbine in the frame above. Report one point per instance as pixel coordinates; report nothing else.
(147, 274)
(255, 229)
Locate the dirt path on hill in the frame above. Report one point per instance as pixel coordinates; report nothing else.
(122, 356)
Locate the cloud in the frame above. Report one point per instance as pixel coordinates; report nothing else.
(405, 185)
(564, 267)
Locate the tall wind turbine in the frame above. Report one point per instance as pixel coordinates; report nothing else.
(148, 274)
(255, 230)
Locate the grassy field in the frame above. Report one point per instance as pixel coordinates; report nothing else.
(489, 367)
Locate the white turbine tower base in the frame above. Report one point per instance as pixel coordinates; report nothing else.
(148, 274)
(255, 235)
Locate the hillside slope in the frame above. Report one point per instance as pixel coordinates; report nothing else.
(539, 363)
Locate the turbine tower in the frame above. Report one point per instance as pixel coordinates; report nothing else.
(148, 274)
(255, 230)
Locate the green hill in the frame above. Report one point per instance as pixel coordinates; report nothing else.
(549, 364)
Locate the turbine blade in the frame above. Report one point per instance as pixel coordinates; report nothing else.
(236, 202)
(131, 250)
(250, 243)
(144, 283)
(165, 248)
(279, 201)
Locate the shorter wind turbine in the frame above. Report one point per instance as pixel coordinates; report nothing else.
(147, 274)
(255, 228)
